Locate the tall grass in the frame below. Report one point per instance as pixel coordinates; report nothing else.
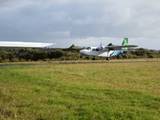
(80, 91)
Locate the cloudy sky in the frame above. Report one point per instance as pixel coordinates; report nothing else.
(82, 22)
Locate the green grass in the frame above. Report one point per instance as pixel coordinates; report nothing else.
(111, 91)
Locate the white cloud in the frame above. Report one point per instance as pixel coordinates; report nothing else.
(64, 21)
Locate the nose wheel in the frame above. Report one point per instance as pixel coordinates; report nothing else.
(80, 56)
(108, 58)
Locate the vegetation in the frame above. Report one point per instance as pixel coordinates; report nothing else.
(71, 53)
(45, 91)
(144, 53)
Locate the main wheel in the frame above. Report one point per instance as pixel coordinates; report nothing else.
(93, 58)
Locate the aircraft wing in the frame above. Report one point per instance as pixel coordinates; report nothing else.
(117, 47)
(26, 44)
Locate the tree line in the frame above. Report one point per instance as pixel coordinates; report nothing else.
(33, 54)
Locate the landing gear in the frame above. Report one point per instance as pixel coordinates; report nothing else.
(80, 56)
(87, 58)
(93, 58)
(108, 58)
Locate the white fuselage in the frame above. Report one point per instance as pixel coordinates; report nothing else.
(100, 52)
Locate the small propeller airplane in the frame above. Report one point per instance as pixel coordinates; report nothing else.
(108, 51)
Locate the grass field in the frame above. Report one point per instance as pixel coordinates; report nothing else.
(110, 91)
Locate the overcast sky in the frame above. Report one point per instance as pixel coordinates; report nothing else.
(82, 22)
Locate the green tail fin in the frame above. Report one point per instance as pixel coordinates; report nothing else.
(125, 43)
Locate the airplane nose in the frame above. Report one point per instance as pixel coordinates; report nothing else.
(82, 52)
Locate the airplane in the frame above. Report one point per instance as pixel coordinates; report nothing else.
(15, 44)
(108, 51)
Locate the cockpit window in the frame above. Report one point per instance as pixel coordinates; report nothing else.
(96, 49)
(88, 48)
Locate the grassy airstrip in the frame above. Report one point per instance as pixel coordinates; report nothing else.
(48, 91)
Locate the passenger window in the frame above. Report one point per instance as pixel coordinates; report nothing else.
(97, 49)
